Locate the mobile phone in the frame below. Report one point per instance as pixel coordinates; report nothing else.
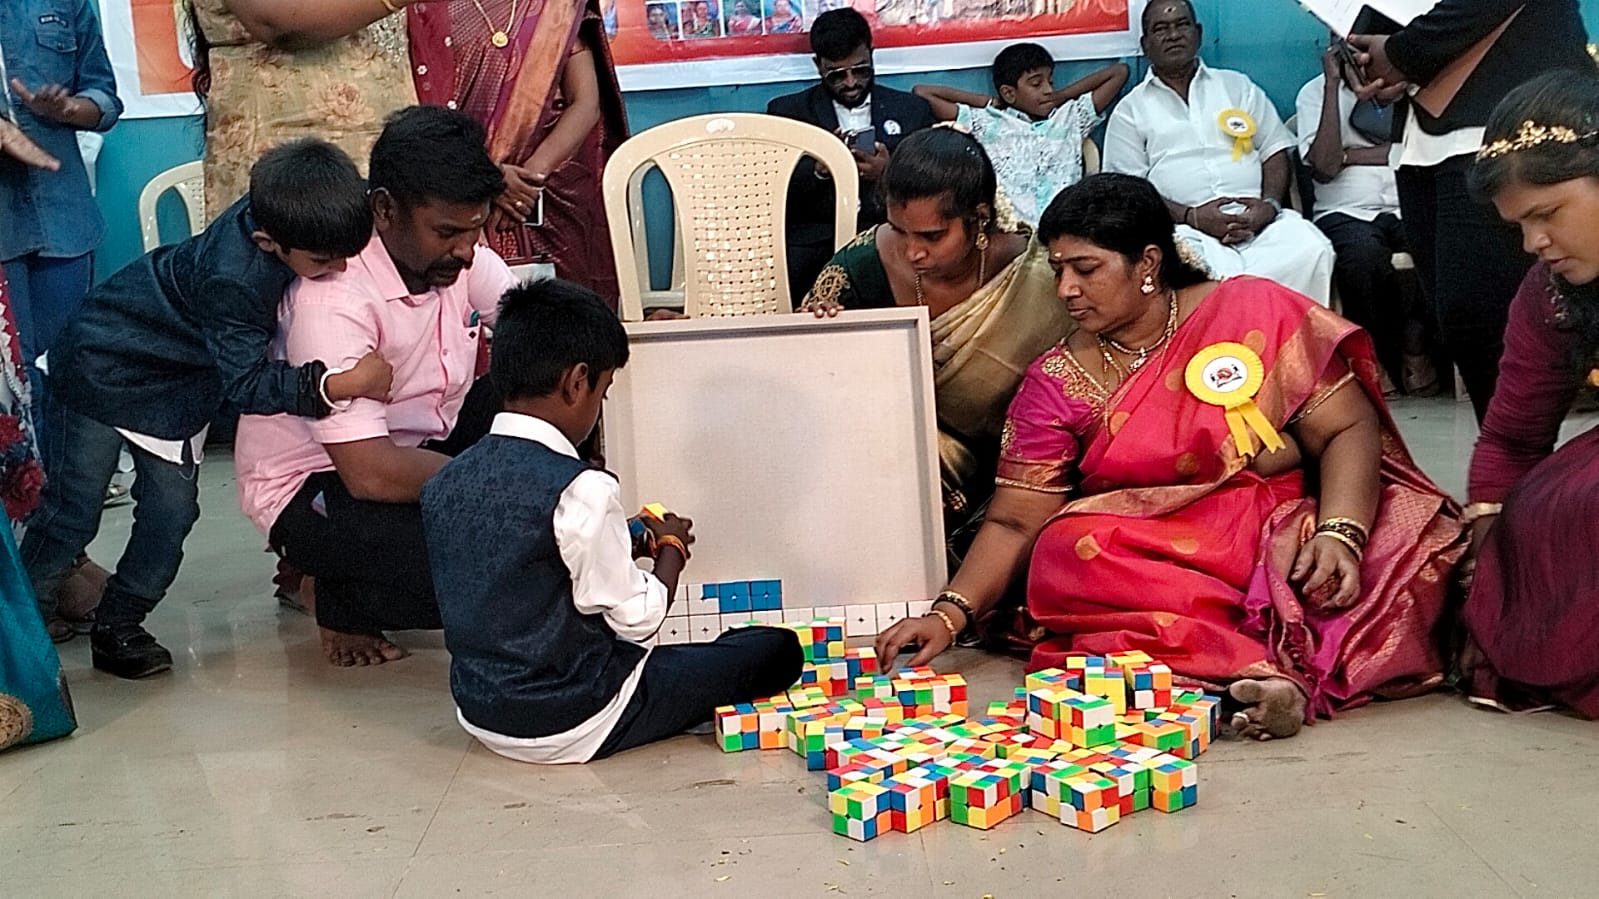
(535, 219)
(864, 141)
(1346, 53)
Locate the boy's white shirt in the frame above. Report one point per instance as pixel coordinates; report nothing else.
(592, 535)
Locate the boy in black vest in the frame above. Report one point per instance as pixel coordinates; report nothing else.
(163, 346)
(544, 610)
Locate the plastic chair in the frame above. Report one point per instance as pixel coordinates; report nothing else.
(188, 180)
(1090, 157)
(729, 176)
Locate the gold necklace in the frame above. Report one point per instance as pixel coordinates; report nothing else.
(501, 37)
(982, 275)
(1142, 355)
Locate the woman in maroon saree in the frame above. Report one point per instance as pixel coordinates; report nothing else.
(1307, 579)
(538, 75)
(1533, 610)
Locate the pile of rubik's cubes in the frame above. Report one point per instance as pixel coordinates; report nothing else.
(1088, 743)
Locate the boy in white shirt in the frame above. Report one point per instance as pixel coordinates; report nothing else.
(1033, 133)
(545, 613)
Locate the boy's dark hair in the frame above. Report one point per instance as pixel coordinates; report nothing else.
(306, 194)
(433, 153)
(1017, 60)
(1123, 214)
(839, 32)
(544, 328)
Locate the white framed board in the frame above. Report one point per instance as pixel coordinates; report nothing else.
(805, 450)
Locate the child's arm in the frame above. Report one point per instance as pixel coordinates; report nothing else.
(947, 100)
(1105, 84)
(239, 333)
(592, 535)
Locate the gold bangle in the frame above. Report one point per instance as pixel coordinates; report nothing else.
(1345, 540)
(1477, 511)
(389, 5)
(1365, 532)
(947, 622)
(671, 540)
(957, 600)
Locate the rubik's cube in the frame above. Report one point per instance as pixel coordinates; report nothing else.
(876, 765)
(860, 661)
(1054, 678)
(922, 691)
(1091, 802)
(1046, 711)
(920, 796)
(888, 710)
(753, 725)
(1196, 733)
(1201, 706)
(1086, 757)
(988, 794)
(1100, 678)
(804, 697)
(1173, 783)
(1166, 736)
(1090, 720)
(1150, 684)
(860, 810)
(1132, 782)
(1047, 785)
(829, 675)
(863, 727)
(822, 638)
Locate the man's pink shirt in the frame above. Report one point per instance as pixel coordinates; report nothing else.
(431, 339)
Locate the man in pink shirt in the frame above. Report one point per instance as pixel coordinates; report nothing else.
(337, 496)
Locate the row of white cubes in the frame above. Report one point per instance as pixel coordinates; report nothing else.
(684, 625)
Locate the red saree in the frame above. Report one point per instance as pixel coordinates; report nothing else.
(1170, 544)
(516, 93)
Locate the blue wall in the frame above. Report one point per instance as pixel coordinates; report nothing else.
(1275, 41)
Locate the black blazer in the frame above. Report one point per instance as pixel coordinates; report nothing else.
(1548, 35)
(895, 114)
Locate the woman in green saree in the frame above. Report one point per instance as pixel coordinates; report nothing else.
(950, 245)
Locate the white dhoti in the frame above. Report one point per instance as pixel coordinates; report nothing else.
(1291, 251)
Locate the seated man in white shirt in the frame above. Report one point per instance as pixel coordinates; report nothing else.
(1211, 143)
(1357, 207)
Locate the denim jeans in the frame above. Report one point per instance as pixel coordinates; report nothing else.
(165, 507)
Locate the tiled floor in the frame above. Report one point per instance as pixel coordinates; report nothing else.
(255, 770)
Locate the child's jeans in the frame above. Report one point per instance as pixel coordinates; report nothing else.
(683, 685)
(166, 506)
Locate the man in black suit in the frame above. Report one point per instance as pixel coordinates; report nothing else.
(1470, 262)
(847, 102)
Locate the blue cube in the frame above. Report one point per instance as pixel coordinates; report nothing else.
(734, 597)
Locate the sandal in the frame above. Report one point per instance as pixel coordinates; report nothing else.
(1420, 376)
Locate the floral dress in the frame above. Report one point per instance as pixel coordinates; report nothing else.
(261, 96)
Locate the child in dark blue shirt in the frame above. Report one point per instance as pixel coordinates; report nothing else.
(545, 613)
(157, 351)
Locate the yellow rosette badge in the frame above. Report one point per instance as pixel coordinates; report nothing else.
(1229, 375)
(1236, 124)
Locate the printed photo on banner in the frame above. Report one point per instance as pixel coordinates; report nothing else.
(691, 43)
(148, 42)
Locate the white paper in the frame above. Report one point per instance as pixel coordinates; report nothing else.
(1340, 15)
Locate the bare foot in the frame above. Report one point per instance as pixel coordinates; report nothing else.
(1275, 708)
(351, 650)
(80, 591)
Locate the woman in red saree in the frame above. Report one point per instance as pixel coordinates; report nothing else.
(538, 75)
(1533, 609)
(1307, 579)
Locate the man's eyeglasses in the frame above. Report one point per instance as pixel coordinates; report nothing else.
(836, 77)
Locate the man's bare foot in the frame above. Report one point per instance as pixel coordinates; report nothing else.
(1275, 707)
(351, 650)
(80, 591)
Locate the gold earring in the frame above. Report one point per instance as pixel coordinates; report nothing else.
(982, 234)
(1148, 286)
